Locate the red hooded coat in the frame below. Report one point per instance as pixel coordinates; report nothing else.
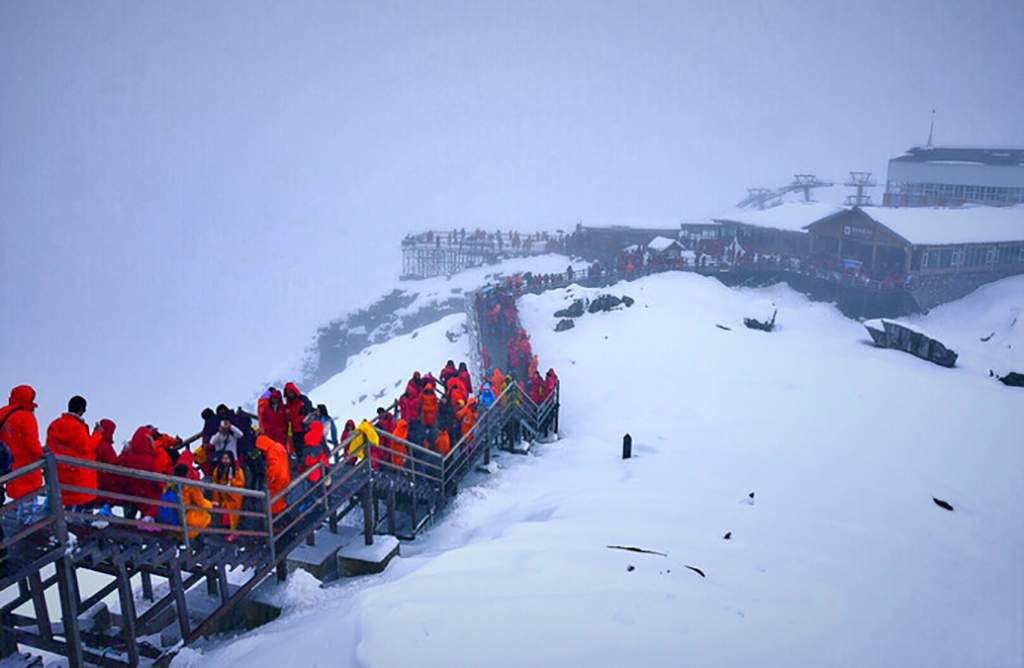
(141, 456)
(68, 435)
(21, 434)
(274, 421)
(409, 405)
(109, 482)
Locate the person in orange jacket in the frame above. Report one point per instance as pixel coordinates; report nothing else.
(279, 474)
(68, 435)
(166, 450)
(457, 390)
(428, 407)
(400, 450)
(467, 417)
(228, 473)
(497, 382)
(197, 515)
(20, 432)
(443, 443)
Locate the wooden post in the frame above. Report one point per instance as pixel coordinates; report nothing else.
(147, 586)
(367, 502)
(39, 604)
(392, 529)
(174, 580)
(269, 510)
(124, 591)
(222, 583)
(627, 446)
(182, 515)
(65, 570)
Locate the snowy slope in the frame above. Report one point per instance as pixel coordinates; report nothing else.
(842, 561)
(991, 312)
(377, 375)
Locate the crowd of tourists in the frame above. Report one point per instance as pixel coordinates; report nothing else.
(497, 241)
(287, 438)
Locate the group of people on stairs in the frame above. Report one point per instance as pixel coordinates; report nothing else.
(287, 437)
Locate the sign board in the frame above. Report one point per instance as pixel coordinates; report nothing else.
(858, 232)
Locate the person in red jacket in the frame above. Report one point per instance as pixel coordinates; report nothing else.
(274, 417)
(20, 432)
(68, 435)
(448, 371)
(296, 406)
(464, 376)
(141, 456)
(105, 454)
(551, 381)
(314, 452)
(409, 404)
(385, 422)
(415, 383)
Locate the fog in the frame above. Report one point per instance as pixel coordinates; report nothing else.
(188, 189)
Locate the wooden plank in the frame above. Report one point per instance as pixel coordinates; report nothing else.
(128, 616)
(35, 584)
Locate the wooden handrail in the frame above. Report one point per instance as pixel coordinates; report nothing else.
(18, 472)
(156, 477)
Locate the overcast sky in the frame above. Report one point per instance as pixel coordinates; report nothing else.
(188, 189)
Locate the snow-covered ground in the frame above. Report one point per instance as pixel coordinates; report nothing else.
(843, 559)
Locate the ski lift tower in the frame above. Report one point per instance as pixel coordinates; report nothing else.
(860, 181)
(806, 182)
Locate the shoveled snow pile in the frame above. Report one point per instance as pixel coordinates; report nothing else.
(843, 559)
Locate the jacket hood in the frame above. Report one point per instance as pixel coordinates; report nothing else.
(294, 388)
(142, 441)
(109, 427)
(315, 434)
(350, 424)
(65, 426)
(23, 396)
(264, 443)
(275, 394)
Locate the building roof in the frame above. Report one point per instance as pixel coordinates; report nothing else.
(964, 155)
(661, 244)
(963, 225)
(789, 217)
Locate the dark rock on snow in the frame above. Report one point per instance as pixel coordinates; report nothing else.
(564, 324)
(608, 302)
(575, 310)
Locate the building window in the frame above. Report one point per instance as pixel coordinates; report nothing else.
(990, 256)
(1008, 254)
(1020, 256)
(958, 257)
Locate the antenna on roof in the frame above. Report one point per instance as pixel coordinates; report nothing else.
(860, 181)
(931, 128)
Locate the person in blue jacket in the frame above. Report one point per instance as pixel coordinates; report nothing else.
(486, 396)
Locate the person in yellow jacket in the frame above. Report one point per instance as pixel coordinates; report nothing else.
(228, 473)
(365, 434)
(196, 515)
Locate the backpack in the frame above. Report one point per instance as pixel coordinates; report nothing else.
(169, 515)
(6, 457)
